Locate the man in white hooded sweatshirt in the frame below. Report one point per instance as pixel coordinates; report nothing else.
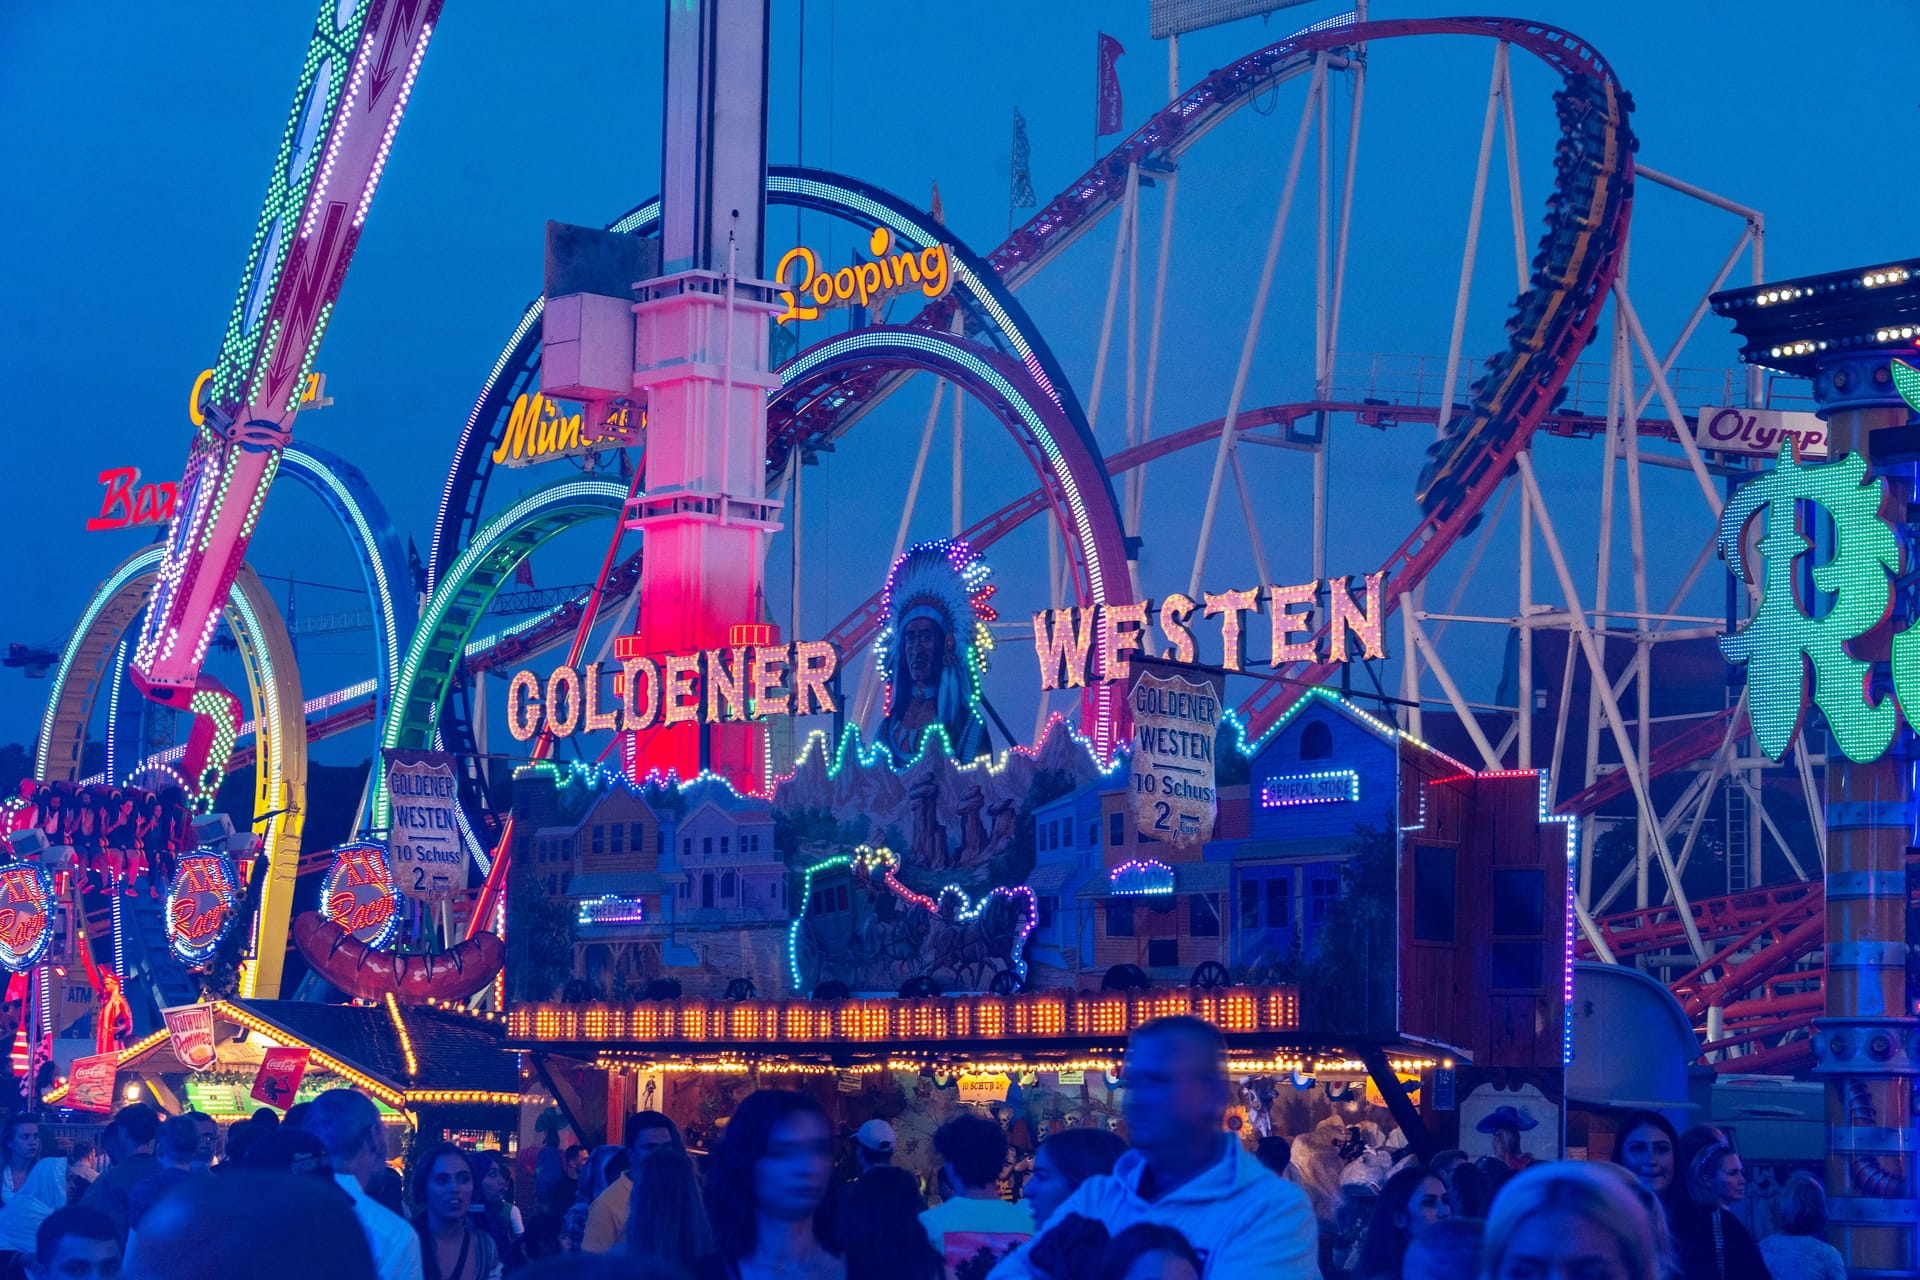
(1186, 1172)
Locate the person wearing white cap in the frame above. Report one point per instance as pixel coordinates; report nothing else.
(873, 1145)
(872, 1149)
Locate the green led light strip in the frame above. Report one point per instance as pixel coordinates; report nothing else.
(1906, 380)
(1780, 640)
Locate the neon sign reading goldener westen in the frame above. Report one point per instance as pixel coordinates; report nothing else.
(864, 284)
(713, 686)
(1065, 639)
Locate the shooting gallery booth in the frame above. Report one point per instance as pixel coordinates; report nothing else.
(1038, 1062)
(1381, 932)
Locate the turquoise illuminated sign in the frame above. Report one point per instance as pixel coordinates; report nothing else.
(1781, 644)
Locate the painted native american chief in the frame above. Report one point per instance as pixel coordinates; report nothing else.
(934, 649)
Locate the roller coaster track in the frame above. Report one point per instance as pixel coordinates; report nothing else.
(1698, 741)
(1761, 942)
(1556, 316)
(863, 622)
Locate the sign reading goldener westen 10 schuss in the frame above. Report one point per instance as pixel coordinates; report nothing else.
(1172, 772)
(429, 859)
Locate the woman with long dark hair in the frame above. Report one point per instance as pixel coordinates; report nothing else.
(666, 1220)
(1413, 1200)
(19, 1152)
(1647, 1145)
(765, 1188)
(451, 1247)
(493, 1208)
(31, 1185)
(879, 1225)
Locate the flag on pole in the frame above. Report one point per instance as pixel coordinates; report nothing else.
(1021, 196)
(938, 210)
(1107, 109)
(415, 569)
(523, 573)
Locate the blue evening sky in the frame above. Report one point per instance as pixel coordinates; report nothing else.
(138, 138)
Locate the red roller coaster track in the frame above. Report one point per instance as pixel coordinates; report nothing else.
(1757, 974)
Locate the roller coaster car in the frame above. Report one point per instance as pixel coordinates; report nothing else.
(1559, 274)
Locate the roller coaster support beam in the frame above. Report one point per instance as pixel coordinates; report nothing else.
(1615, 721)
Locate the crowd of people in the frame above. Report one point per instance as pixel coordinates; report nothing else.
(1182, 1199)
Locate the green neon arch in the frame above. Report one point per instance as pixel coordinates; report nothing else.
(460, 600)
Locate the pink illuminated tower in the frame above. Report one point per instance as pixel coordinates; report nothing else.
(700, 359)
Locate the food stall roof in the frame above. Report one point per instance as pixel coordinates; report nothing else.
(402, 1055)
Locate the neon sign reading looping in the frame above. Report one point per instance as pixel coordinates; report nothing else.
(864, 284)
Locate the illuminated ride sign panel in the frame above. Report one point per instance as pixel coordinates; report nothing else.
(1759, 433)
(312, 396)
(538, 430)
(359, 895)
(1068, 641)
(202, 905)
(713, 686)
(26, 915)
(1781, 645)
(809, 289)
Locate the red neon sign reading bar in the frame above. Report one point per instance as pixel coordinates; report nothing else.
(129, 504)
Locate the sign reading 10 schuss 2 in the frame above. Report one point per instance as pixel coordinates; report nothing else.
(1171, 773)
(429, 860)
(1780, 642)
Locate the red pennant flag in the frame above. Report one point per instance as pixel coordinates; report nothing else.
(523, 573)
(938, 210)
(278, 1079)
(1107, 109)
